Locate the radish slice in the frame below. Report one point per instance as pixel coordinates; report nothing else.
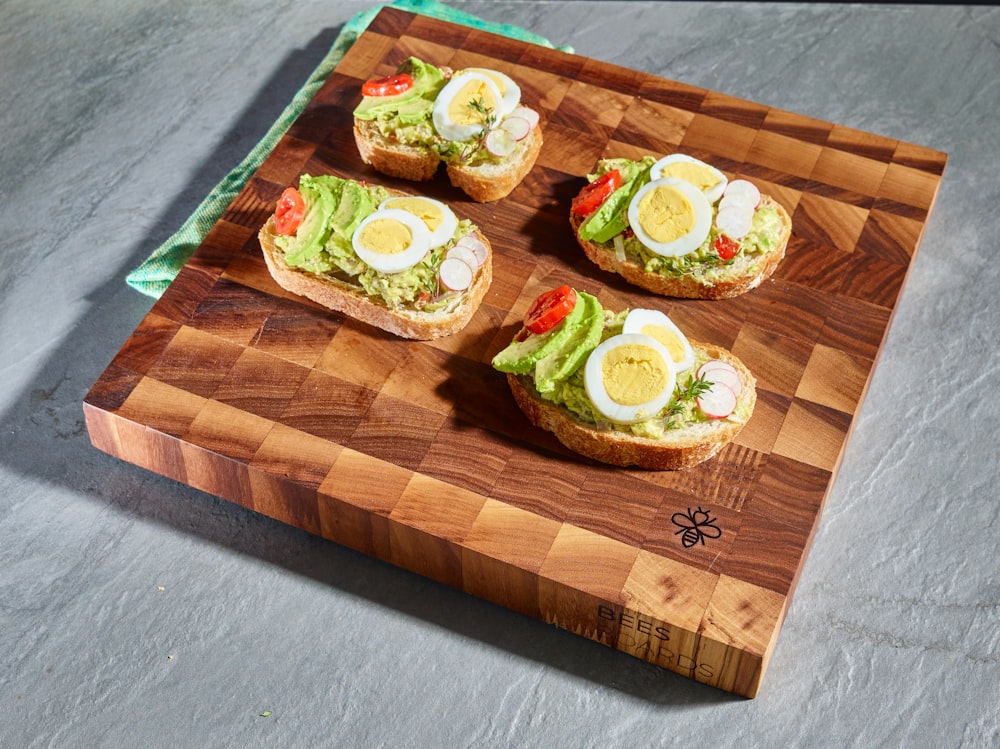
(744, 191)
(715, 364)
(718, 402)
(734, 220)
(455, 274)
(718, 371)
(735, 216)
(528, 114)
(743, 201)
(500, 142)
(465, 253)
(724, 377)
(478, 247)
(518, 127)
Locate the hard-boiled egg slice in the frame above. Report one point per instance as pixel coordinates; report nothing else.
(657, 325)
(390, 240)
(510, 92)
(440, 219)
(461, 109)
(670, 216)
(629, 377)
(704, 176)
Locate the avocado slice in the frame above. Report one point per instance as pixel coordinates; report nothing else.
(520, 357)
(611, 218)
(314, 230)
(584, 338)
(355, 204)
(413, 105)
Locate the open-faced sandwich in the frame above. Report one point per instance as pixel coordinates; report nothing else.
(403, 263)
(626, 388)
(408, 123)
(679, 227)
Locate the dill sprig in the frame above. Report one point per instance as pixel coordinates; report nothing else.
(489, 120)
(684, 393)
(479, 106)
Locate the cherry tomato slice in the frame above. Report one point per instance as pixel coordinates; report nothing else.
(726, 247)
(291, 208)
(550, 309)
(593, 195)
(388, 86)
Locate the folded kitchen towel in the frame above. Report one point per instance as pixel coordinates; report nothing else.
(156, 272)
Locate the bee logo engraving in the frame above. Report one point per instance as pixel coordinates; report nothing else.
(695, 527)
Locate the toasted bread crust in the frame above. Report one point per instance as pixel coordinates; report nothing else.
(483, 183)
(393, 159)
(749, 273)
(488, 182)
(678, 449)
(351, 300)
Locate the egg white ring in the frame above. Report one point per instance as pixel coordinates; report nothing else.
(397, 261)
(449, 221)
(439, 114)
(713, 193)
(510, 97)
(638, 319)
(682, 245)
(593, 381)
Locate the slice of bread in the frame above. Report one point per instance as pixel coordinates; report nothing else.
(679, 448)
(746, 272)
(487, 181)
(393, 159)
(484, 181)
(351, 300)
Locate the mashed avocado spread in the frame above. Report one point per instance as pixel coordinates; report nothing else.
(322, 244)
(608, 225)
(555, 360)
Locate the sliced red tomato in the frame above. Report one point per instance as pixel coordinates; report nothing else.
(592, 196)
(388, 86)
(550, 309)
(726, 247)
(291, 208)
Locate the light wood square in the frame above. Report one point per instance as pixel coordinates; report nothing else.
(518, 536)
(784, 154)
(849, 171)
(589, 562)
(438, 508)
(834, 378)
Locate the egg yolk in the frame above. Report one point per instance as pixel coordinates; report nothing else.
(666, 214)
(634, 374)
(669, 340)
(501, 86)
(386, 236)
(427, 212)
(464, 107)
(697, 174)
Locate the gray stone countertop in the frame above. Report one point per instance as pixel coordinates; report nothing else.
(137, 612)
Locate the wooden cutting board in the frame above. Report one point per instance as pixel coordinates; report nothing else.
(414, 452)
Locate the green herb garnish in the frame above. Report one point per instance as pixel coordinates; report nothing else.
(489, 120)
(683, 394)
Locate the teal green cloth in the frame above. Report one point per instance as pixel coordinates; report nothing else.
(155, 273)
